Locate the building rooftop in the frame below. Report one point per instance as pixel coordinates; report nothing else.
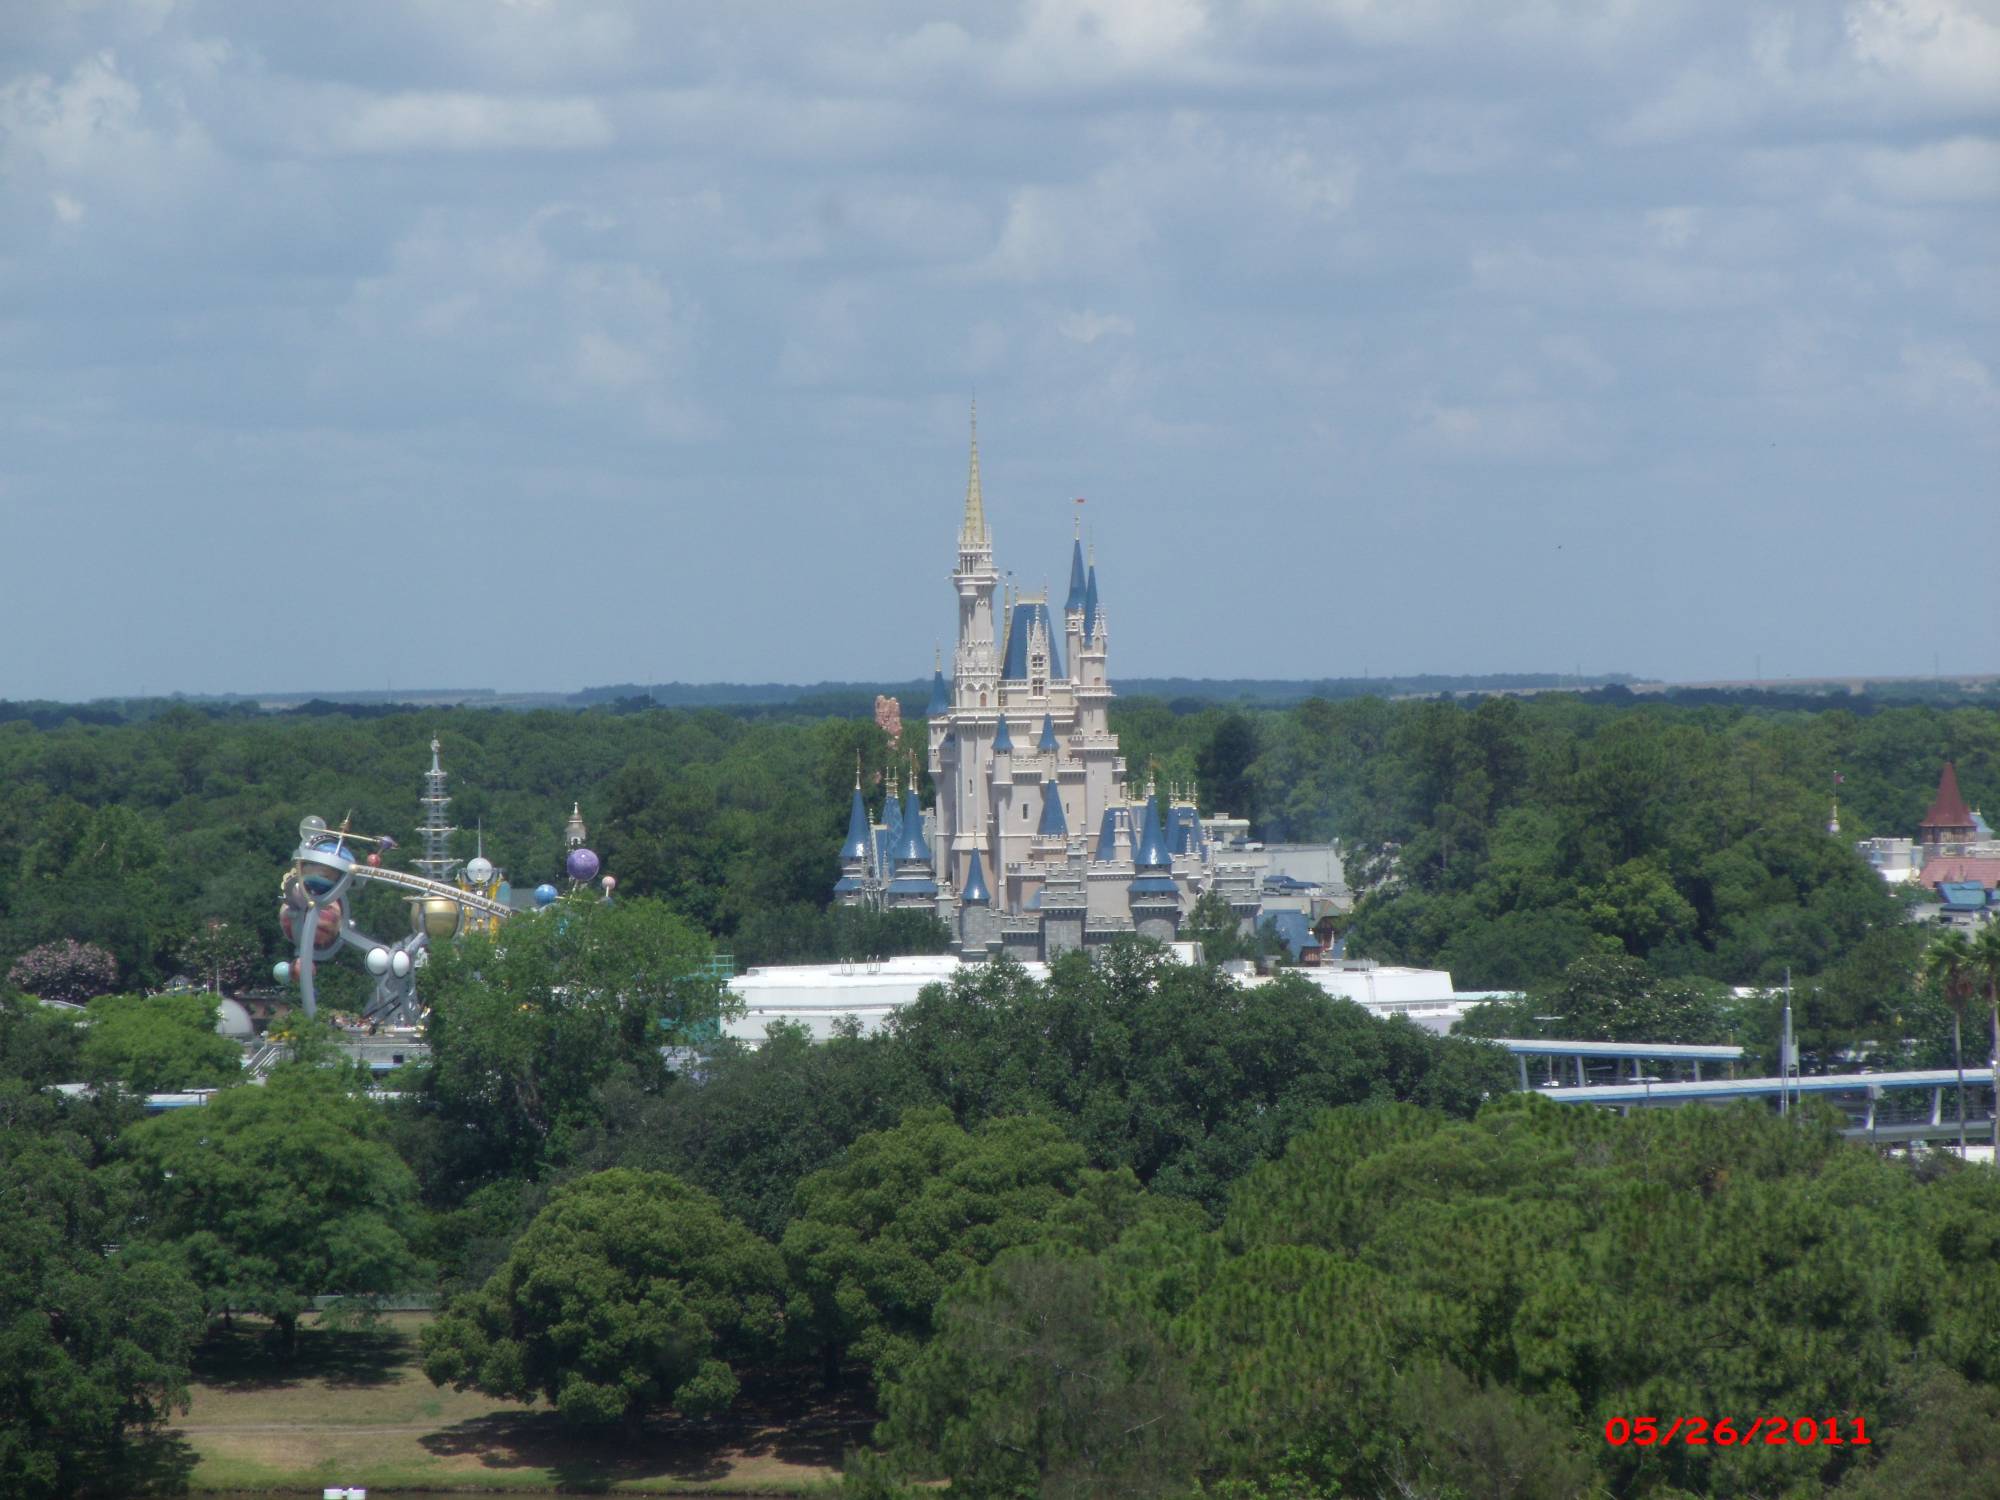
(1948, 809)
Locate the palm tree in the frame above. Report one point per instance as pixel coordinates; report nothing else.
(1948, 962)
(1986, 957)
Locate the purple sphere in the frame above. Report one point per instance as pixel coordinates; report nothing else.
(582, 864)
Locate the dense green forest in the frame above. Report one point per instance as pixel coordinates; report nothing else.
(1131, 1229)
(1500, 838)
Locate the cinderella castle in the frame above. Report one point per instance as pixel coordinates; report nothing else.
(1038, 842)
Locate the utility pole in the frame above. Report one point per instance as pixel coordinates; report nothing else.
(1785, 1053)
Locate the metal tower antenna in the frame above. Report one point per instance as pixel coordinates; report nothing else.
(436, 861)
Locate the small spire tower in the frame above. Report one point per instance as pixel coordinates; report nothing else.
(435, 832)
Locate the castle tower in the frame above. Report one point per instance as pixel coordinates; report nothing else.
(1073, 606)
(1103, 771)
(975, 664)
(575, 835)
(1154, 894)
(1949, 821)
(854, 852)
(913, 884)
(978, 924)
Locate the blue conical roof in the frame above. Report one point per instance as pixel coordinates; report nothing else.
(975, 893)
(1002, 740)
(1053, 823)
(856, 846)
(1076, 585)
(1107, 835)
(892, 819)
(1090, 605)
(1014, 665)
(1048, 744)
(1152, 853)
(913, 845)
(940, 695)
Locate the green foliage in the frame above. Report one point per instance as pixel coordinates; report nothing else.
(1610, 998)
(94, 1340)
(156, 1043)
(526, 1024)
(1041, 1383)
(279, 1194)
(630, 1291)
(37, 1044)
(1213, 925)
(1407, 1304)
(907, 1212)
(755, 1121)
(1176, 1072)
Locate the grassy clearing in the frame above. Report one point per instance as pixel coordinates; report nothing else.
(355, 1409)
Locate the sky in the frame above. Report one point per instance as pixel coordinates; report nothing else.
(532, 344)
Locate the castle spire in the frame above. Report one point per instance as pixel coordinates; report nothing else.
(1076, 574)
(972, 535)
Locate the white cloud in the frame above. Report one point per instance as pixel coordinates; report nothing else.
(1942, 54)
(1516, 431)
(1965, 169)
(1947, 379)
(468, 122)
(1085, 326)
(97, 126)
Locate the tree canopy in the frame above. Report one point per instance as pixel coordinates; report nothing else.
(280, 1194)
(155, 1043)
(95, 1331)
(526, 1023)
(630, 1291)
(894, 1226)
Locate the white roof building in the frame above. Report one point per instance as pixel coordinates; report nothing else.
(819, 996)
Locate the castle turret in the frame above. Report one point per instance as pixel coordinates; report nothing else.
(1052, 825)
(854, 852)
(1154, 895)
(1949, 821)
(913, 883)
(1073, 606)
(1103, 772)
(940, 703)
(978, 923)
(975, 664)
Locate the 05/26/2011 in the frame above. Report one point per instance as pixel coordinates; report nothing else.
(1648, 1432)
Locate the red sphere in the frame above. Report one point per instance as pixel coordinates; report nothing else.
(326, 929)
(375, 859)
